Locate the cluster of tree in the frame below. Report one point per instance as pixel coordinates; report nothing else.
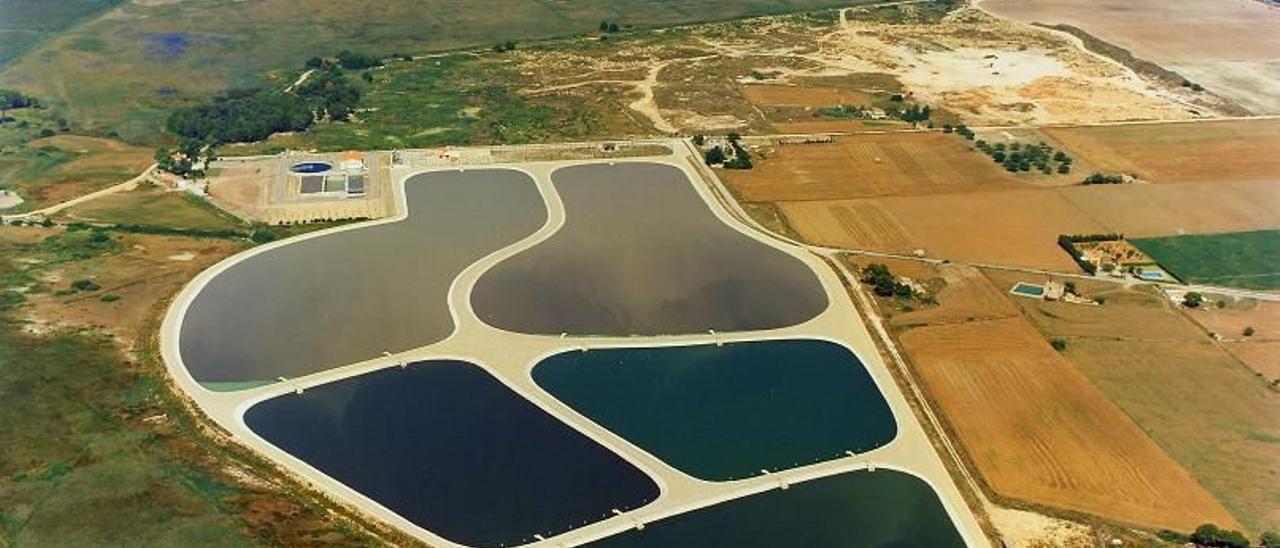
(354, 60)
(741, 158)
(500, 47)
(1193, 299)
(181, 161)
(1104, 179)
(961, 130)
(1213, 536)
(841, 111)
(15, 99)
(915, 113)
(254, 114)
(883, 282)
(609, 27)
(1068, 243)
(717, 156)
(1017, 157)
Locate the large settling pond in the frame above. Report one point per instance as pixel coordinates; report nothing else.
(447, 446)
(727, 412)
(348, 296)
(641, 253)
(855, 510)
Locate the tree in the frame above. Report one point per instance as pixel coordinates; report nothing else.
(314, 63)
(604, 26)
(1269, 539)
(715, 156)
(352, 60)
(613, 27)
(699, 139)
(1058, 344)
(510, 45)
(1248, 331)
(1192, 299)
(1210, 535)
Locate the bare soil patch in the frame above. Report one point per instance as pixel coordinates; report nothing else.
(1192, 37)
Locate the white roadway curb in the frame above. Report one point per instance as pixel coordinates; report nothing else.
(512, 363)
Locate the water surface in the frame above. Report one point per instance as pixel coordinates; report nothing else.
(884, 508)
(347, 297)
(447, 446)
(641, 254)
(727, 412)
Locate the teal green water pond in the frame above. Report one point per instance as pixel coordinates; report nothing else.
(878, 509)
(722, 413)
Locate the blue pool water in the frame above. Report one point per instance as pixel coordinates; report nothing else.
(450, 448)
(1028, 289)
(311, 167)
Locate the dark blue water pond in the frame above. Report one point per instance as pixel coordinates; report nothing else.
(311, 167)
(447, 446)
(726, 412)
(857, 509)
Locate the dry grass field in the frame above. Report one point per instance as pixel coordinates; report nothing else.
(1036, 428)
(1261, 350)
(1205, 408)
(798, 96)
(1179, 153)
(54, 169)
(1018, 227)
(863, 166)
(1167, 210)
(1229, 46)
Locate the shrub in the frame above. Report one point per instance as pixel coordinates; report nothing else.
(1269, 539)
(351, 60)
(1192, 299)
(109, 298)
(85, 285)
(1058, 344)
(1248, 331)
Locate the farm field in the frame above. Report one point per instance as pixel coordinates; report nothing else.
(1228, 46)
(1035, 427)
(1249, 260)
(1140, 211)
(862, 166)
(1260, 350)
(1222, 151)
(1208, 411)
(1018, 227)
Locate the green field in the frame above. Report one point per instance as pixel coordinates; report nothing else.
(156, 208)
(130, 67)
(24, 23)
(1249, 260)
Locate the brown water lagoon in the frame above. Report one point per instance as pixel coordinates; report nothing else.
(641, 253)
(346, 297)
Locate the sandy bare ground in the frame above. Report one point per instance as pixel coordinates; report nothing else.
(1232, 47)
(989, 70)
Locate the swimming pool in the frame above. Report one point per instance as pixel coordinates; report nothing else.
(1028, 290)
(311, 167)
